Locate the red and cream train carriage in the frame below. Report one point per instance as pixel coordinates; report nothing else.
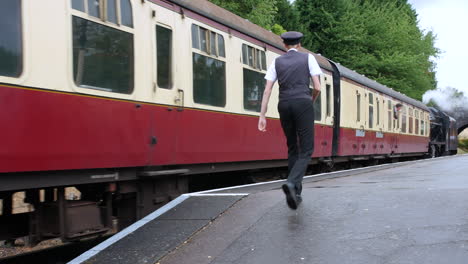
(123, 99)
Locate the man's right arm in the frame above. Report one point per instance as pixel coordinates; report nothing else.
(316, 84)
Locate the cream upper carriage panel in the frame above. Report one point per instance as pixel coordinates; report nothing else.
(352, 84)
(353, 114)
(167, 52)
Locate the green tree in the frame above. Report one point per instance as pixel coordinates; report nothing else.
(377, 38)
(278, 29)
(287, 16)
(260, 12)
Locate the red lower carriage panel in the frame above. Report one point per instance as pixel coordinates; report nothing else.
(357, 142)
(45, 130)
(222, 137)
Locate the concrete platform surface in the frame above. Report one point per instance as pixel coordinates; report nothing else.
(416, 213)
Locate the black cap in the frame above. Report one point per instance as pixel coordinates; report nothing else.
(292, 37)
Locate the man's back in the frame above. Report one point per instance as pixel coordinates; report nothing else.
(293, 75)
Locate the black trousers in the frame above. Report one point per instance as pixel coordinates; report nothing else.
(297, 120)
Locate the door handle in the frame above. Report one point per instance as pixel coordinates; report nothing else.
(181, 99)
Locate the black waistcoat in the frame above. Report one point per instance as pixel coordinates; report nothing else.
(293, 74)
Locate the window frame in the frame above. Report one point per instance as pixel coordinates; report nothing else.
(404, 121)
(358, 106)
(207, 54)
(103, 13)
(410, 120)
(84, 15)
(171, 67)
(328, 96)
(257, 55)
(390, 115)
(208, 35)
(370, 118)
(377, 103)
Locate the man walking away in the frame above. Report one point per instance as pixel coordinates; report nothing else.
(293, 71)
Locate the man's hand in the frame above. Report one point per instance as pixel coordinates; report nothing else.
(315, 94)
(262, 123)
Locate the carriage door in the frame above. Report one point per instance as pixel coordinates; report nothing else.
(361, 116)
(328, 117)
(166, 93)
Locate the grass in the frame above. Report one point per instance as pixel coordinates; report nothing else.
(463, 146)
(462, 151)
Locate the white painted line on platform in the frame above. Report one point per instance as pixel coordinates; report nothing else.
(108, 242)
(321, 174)
(217, 194)
(132, 228)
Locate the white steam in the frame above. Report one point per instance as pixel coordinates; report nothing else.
(448, 99)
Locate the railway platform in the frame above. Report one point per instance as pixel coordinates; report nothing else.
(410, 212)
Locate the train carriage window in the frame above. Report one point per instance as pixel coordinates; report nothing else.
(245, 55)
(102, 57)
(390, 115)
(254, 77)
(126, 13)
(358, 107)
(264, 65)
(195, 37)
(253, 57)
(112, 11)
(209, 81)
(410, 126)
(259, 59)
(378, 111)
(203, 40)
(209, 72)
(11, 42)
(416, 122)
(371, 110)
(221, 46)
(317, 108)
(213, 44)
(254, 85)
(107, 10)
(250, 56)
(396, 115)
(328, 98)
(422, 123)
(164, 57)
(94, 8)
(78, 5)
(403, 119)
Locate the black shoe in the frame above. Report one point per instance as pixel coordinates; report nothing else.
(290, 196)
(298, 199)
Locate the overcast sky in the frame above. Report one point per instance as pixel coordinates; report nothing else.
(448, 19)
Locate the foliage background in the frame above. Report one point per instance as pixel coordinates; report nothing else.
(377, 38)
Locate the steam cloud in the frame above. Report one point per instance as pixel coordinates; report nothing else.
(448, 99)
